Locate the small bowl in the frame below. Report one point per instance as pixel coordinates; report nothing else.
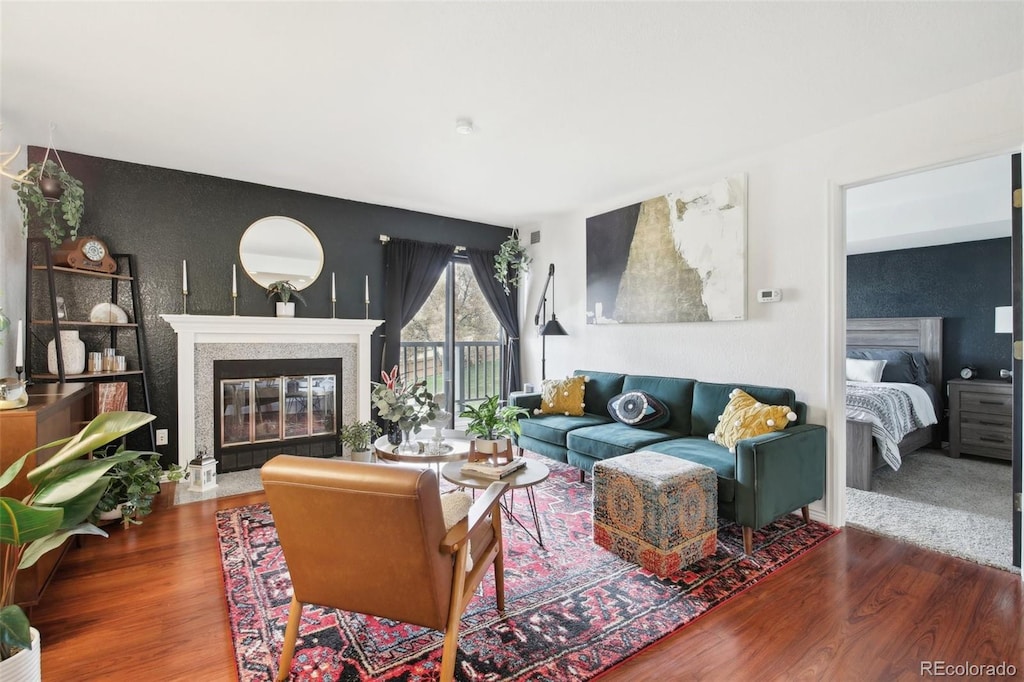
(15, 388)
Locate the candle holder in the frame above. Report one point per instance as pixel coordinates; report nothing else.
(184, 303)
(18, 369)
(234, 305)
(367, 310)
(333, 314)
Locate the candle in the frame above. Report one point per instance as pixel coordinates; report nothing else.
(234, 282)
(334, 296)
(19, 352)
(366, 290)
(184, 277)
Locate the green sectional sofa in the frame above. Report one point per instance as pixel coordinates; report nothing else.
(765, 478)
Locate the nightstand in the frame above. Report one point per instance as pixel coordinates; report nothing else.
(980, 418)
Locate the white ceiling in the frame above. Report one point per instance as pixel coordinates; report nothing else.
(574, 102)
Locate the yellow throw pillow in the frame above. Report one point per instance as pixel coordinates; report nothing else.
(745, 417)
(562, 396)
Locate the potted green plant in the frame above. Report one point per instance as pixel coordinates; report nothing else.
(52, 197)
(133, 485)
(358, 436)
(493, 423)
(512, 262)
(65, 491)
(284, 290)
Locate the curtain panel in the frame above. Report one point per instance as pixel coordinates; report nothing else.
(505, 309)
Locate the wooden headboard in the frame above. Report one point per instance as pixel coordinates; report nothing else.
(922, 334)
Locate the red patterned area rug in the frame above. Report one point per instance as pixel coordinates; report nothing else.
(573, 609)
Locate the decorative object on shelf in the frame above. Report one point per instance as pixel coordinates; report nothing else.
(493, 425)
(19, 350)
(110, 396)
(358, 436)
(12, 393)
(334, 296)
(512, 262)
(62, 309)
(234, 290)
(59, 505)
(72, 350)
(85, 253)
(133, 485)
(108, 313)
(259, 251)
(284, 290)
(366, 296)
(968, 372)
(94, 363)
(410, 405)
(60, 215)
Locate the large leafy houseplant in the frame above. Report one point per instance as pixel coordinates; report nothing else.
(65, 491)
(60, 215)
(490, 420)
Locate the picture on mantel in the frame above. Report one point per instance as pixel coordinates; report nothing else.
(679, 257)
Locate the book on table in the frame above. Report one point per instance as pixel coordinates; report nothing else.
(488, 470)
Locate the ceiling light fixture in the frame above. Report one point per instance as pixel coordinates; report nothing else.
(464, 126)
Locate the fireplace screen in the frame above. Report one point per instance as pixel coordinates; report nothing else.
(264, 409)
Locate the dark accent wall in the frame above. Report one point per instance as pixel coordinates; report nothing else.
(961, 283)
(166, 216)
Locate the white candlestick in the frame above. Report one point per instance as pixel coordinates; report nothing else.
(366, 290)
(234, 281)
(19, 352)
(334, 296)
(184, 277)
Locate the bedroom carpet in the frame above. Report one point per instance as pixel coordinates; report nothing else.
(959, 507)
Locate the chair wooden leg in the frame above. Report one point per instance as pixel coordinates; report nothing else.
(748, 540)
(499, 564)
(291, 633)
(451, 631)
(806, 509)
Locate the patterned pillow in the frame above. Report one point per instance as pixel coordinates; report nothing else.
(745, 417)
(639, 409)
(562, 396)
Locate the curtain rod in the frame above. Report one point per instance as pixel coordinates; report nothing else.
(384, 239)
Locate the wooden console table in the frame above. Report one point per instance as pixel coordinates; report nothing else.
(54, 411)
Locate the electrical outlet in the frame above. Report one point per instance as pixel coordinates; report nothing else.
(161, 436)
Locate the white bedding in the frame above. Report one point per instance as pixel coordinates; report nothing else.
(894, 410)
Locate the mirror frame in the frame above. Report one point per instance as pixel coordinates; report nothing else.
(303, 232)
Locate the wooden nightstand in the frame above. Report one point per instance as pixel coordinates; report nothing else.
(980, 418)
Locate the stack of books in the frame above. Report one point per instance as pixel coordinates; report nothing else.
(495, 471)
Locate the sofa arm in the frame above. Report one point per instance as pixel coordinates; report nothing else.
(528, 401)
(778, 473)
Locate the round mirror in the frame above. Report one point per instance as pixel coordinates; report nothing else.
(276, 248)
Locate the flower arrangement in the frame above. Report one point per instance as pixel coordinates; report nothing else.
(407, 404)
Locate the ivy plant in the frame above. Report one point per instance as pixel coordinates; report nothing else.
(58, 217)
(512, 263)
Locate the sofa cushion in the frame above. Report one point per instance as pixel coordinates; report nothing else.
(639, 409)
(746, 417)
(563, 396)
(614, 439)
(703, 451)
(709, 401)
(600, 388)
(553, 428)
(676, 394)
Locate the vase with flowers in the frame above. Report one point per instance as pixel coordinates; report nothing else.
(406, 403)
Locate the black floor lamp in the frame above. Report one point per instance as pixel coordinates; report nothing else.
(551, 327)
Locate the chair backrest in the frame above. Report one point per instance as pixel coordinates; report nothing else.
(362, 537)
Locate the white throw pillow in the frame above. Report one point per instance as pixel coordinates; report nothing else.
(864, 370)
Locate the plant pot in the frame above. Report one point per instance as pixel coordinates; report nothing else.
(165, 499)
(50, 188)
(23, 666)
(112, 514)
(73, 350)
(286, 309)
(497, 450)
(361, 456)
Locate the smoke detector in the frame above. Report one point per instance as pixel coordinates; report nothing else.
(464, 126)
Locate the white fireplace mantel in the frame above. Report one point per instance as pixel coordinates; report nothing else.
(193, 330)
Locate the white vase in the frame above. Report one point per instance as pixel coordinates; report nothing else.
(73, 350)
(361, 456)
(286, 309)
(23, 666)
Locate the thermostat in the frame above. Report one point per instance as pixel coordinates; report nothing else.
(769, 295)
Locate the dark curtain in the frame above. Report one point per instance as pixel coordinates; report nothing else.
(411, 270)
(504, 307)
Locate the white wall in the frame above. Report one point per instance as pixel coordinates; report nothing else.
(12, 251)
(794, 243)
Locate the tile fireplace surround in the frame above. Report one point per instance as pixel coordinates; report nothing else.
(205, 338)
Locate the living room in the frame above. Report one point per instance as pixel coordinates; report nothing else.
(189, 121)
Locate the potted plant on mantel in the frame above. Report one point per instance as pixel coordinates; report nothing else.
(358, 436)
(65, 490)
(284, 290)
(494, 425)
(53, 197)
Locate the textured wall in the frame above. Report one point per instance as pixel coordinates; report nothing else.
(166, 216)
(961, 283)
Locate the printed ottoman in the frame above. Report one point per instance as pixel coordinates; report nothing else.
(655, 510)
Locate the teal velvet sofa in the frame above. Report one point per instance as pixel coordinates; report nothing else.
(765, 478)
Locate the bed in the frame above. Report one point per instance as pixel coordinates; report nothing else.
(912, 334)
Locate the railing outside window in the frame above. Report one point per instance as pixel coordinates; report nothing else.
(477, 371)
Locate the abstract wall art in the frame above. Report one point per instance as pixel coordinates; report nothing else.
(679, 257)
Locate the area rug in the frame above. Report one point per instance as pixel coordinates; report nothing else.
(573, 609)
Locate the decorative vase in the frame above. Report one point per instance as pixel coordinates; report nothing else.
(408, 446)
(73, 350)
(394, 433)
(23, 666)
(286, 309)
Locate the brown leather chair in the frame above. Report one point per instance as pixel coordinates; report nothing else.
(371, 538)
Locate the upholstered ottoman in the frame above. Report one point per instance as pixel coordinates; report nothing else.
(655, 510)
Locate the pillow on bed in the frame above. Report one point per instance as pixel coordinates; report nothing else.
(900, 366)
(864, 370)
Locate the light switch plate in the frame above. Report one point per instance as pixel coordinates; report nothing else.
(161, 436)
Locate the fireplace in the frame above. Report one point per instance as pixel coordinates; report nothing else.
(276, 406)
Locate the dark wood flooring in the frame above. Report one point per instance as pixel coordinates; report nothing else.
(148, 604)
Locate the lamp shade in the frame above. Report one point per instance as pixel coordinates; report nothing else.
(553, 328)
(1004, 319)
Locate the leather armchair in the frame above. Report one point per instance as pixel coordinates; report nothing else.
(371, 538)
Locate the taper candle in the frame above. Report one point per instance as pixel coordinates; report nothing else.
(184, 277)
(366, 290)
(19, 352)
(234, 281)
(334, 295)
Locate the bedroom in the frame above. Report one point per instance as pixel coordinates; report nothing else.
(929, 260)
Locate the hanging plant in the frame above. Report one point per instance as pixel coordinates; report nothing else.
(512, 262)
(59, 215)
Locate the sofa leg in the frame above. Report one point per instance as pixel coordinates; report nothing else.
(583, 476)
(748, 540)
(807, 513)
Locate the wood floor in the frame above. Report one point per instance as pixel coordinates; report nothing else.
(148, 604)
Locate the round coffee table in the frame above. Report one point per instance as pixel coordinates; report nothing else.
(526, 477)
(454, 449)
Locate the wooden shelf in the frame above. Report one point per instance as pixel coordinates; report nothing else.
(80, 323)
(88, 376)
(88, 273)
